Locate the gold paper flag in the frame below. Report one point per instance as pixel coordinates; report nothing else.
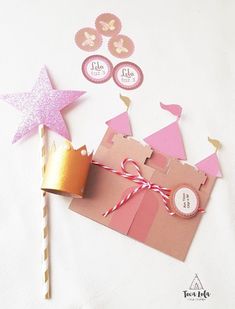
(126, 101)
(215, 143)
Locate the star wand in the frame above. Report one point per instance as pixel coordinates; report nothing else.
(41, 108)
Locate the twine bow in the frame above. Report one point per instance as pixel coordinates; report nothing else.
(143, 183)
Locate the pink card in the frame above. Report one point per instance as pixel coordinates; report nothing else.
(144, 216)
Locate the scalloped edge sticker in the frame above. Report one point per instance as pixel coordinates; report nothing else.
(128, 75)
(108, 24)
(88, 39)
(185, 201)
(97, 69)
(121, 46)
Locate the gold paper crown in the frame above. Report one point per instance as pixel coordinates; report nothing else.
(67, 170)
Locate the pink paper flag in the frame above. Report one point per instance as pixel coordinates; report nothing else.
(120, 124)
(172, 108)
(210, 165)
(168, 141)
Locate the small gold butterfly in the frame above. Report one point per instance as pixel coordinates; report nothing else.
(119, 47)
(90, 38)
(108, 26)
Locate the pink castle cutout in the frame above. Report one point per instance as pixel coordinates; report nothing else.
(144, 217)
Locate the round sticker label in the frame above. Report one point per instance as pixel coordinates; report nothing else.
(88, 39)
(121, 46)
(108, 24)
(97, 69)
(128, 75)
(185, 201)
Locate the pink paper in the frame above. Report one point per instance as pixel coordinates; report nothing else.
(168, 141)
(172, 108)
(145, 216)
(42, 105)
(122, 219)
(210, 165)
(120, 124)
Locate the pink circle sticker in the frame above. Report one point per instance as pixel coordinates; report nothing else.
(108, 24)
(88, 39)
(185, 201)
(97, 69)
(121, 46)
(128, 75)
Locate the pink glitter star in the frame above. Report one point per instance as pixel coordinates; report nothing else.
(42, 106)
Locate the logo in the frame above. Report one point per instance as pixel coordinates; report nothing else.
(196, 290)
(97, 69)
(128, 75)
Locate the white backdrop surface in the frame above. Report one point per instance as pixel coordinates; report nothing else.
(186, 50)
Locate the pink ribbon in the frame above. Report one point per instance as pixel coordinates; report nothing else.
(143, 183)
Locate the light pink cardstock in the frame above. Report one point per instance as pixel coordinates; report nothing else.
(175, 109)
(120, 124)
(168, 141)
(210, 165)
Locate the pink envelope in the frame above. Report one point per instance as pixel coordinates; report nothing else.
(144, 216)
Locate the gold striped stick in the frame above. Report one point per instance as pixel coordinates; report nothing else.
(46, 269)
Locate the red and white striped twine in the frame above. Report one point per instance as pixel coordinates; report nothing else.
(144, 184)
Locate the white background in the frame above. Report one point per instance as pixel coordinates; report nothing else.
(186, 50)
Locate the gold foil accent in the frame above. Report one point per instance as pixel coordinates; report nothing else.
(126, 101)
(67, 170)
(215, 143)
